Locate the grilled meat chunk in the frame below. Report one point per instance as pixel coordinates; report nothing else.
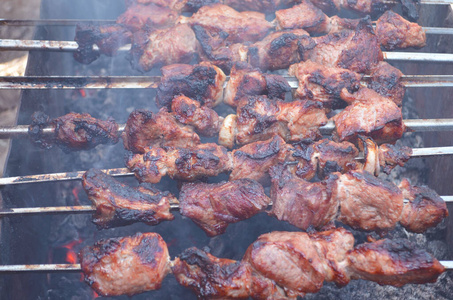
(370, 114)
(149, 17)
(126, 266)
(203, 82)
(276, 51)
(248, 81)
(210, 277)
(145, 129)
(186, 164)
(162, 47)
(393, 263)
(214, 206)
(118, 204)
(73, 131)
(304, 16)
(324, 84)
(188, 111)
(367, 202)
(425, 208)
(391, 156)
(386, 80)
(394, 32)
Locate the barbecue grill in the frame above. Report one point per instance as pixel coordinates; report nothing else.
(38, 240)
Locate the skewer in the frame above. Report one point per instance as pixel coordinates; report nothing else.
(137, 82)
(417, 152)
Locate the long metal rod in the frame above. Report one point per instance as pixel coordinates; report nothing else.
(121, 172)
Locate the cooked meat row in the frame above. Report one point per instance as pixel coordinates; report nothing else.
(278, 265)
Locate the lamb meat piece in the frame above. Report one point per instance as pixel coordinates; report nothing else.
(391, 156)
(394, 32)
(303, 16)
(188, 111)
(162, 47)
(118, 204)
(367, 202)
(126, 266)
(393, 263)
(214, 206)
(386, 80)
(210, 277)
(370, 114)
(149, 17)
(202, 82)
(324, 84)
(425, 208)
(254, 160)
(356, 50)
(145, 129)
(248, 81)
(299, 202)
(264, 6)
(188, 164)
(276, 51)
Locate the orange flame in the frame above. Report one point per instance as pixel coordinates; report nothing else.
(71, 256)
(75, 192)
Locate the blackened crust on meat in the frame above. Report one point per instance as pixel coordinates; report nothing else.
(386, 80)
(39, 121)
(391, 156)
(276, 86)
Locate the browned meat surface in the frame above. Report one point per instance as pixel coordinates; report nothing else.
(356, 50)
(386, 80)
(370, 114)
(391, 156)
(187, 164)
(162, 47)
(425, 208)
(393, 263)
(394, 32)
(248, 81)
(325, 84)
(210, 277)
(305, 16)
(254, 160)
(145, 129)
(276, 51)
(147, 17)
(367, 202)
(264, 6)
(188, 111)
(214, 206)
(118, 204)
(203, 82)
(126, 266)
(299, 202)
(73, 131)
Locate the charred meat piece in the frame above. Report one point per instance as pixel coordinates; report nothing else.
(186, 164)
(147, 17)
(276, 51)
(145, 129)
(264, 6)
(367, 202)
(393, 263)
(304, 16)
(118, 204)
(394, 32)
(188, 111)
(73, 131)
(370, 114)
(324, 84)
(203, 82)
(386, 80)
(248, 81)
(214, 206)
(391, 156)
(210, 277)
(425, 208)
(126, 266)
(162, 47)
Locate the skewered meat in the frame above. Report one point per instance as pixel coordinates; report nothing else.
(395, 32)
(214, 206)
(188, 111)
(248, 81)
(118, 204)
(128, 265)
(305, 16)
(365, 7)
(173, 45)
(147, 129)
(73, 131)
(276, 51)
(324, 84)
(370, 114)
(391, 156)
(203, 82)
(211, 277)
(187, 164)
(147, 17)
(386, 80)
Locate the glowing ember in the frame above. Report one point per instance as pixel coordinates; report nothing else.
(71, 256)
